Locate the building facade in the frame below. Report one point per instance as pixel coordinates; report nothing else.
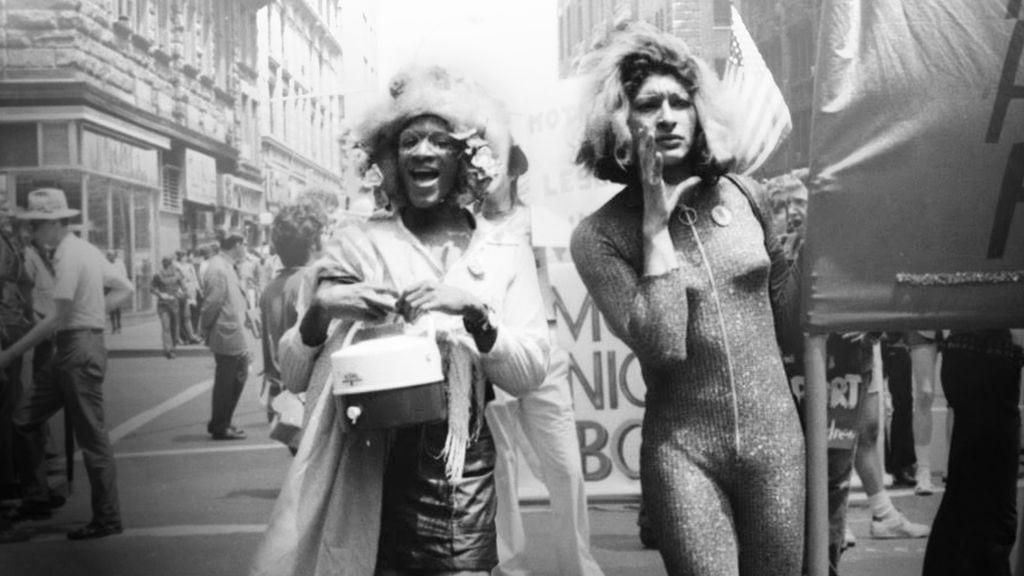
(136, 109)
(166, 120)
(785, 33)
(315, 58)
(703, 24)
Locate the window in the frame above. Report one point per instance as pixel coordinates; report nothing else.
(170, 201)
(224, 37)
(126, 11)
(723, 12)
(56, 145)
(19, 145)
(247, 38)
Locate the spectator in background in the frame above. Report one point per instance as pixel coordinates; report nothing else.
(169, 288)
(82, 273)
(39, 267)
(187, 303)
(540, 425)
(295, 236)
(209, 252)
(247, 268)
(853, 409)
(976, 525)
(16, 319)
(910, 361)
(115, 313)
(222, 322)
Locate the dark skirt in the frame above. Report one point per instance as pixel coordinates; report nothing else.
(429, 523)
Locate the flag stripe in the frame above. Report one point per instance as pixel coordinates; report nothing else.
(764, 117)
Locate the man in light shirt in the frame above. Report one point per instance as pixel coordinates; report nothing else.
(78, 319)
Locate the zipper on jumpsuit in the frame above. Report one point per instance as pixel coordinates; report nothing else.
(689, 216)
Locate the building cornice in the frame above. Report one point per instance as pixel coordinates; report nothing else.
(75, 92)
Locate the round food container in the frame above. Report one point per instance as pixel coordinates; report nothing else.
(390, 378)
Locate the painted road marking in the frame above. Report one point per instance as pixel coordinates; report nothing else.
(172, 531)
(143, 418)
(207, 450)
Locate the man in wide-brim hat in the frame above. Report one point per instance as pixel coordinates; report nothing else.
(78, 319)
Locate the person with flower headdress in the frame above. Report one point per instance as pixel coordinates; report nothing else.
(684, 266)
(420, 499)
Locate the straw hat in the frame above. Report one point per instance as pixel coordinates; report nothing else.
(47, 204)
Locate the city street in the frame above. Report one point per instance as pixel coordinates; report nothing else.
(193, 506)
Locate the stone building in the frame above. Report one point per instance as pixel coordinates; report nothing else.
(316, 57)
(703, 24)
(142, 111)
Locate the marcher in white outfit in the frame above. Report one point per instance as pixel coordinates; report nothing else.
(542, 424)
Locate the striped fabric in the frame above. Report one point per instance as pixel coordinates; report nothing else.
(764, 120)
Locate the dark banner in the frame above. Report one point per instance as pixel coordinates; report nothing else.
(916, 213)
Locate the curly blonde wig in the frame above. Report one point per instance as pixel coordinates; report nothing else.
(432, 91)
(615, 70)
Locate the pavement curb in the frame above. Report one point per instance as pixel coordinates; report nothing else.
(150, 353)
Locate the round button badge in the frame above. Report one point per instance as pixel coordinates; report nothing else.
(721, 215)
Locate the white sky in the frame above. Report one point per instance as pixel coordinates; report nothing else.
(511, 46)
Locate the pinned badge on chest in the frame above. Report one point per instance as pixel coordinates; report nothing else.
(721, 215)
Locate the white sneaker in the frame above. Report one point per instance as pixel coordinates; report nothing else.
(924, 483)
(897, 527)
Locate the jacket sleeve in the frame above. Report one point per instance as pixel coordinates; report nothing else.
(518, 360)
(649, 313)
(215, 292)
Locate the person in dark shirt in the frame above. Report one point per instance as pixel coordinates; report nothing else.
(295, 237)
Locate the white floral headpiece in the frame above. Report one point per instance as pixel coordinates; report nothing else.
(478, 121)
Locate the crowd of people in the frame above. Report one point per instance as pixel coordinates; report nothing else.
(694, 267)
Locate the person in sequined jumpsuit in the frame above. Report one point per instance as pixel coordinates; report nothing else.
(684, 267)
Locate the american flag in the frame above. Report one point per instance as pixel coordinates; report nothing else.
(764, 120)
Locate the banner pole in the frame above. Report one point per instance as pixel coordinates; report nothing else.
(815, 399)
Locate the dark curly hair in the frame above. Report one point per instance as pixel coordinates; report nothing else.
(295, 233)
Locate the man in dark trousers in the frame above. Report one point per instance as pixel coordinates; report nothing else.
(976, 525)
(78, 319)
(222, 322)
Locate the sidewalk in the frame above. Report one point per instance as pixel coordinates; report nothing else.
(140, 338)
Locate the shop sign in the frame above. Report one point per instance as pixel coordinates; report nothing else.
(121, 159)
(200, 178)
(249, 200)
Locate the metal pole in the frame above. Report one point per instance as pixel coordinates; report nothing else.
(816, 396)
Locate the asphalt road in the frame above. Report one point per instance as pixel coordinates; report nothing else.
(192, 506)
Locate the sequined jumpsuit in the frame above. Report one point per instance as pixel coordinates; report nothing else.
(722, 459)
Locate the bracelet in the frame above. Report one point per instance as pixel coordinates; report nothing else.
(481, 325)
